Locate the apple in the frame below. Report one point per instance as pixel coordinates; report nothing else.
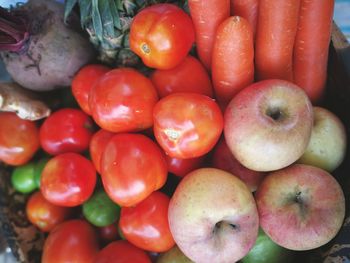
(301, 207)
(327, 146)
(267, 251)
(213, 216)
(223, 159)
(174, 255)
(268, 125)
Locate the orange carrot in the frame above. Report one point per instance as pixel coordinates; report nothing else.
(206, 16)
(276, 30)
(233, 58)
(247, 9)
(311, 46)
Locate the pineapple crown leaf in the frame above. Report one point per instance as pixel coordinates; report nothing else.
(69, 5)
(96, 20)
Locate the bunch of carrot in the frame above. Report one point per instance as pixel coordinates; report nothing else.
(242, 41)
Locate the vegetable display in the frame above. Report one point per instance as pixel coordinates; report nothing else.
(188, 130)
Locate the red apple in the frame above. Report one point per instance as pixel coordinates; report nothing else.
(268, 125)
(213, 216)
(300, 207)
(327, 146)
(223, 159)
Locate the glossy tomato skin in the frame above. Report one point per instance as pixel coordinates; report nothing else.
(122, 100)
(73, 241)
(68, 179)
(181, 167)
(19, 139)
(162, 35)
(189, 76)
(66, 130)
(133, 166)
(122, 252)
(146, 225)
(187, 125)
(83, 82)
(43, 214)
(97, 145)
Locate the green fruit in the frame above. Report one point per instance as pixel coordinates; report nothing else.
(267, 251)
(39, 167)
(22, 178)
(173, 255)
(100, 210)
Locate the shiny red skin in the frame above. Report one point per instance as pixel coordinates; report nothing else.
(162, 35)
(43, 214)
(146, 224)
(71, 241)
(181, 167)
(83, 82)
(109, 233)
(187, 125)
(68, 179)
(19, 139)
(66, 130)
(132, 167)
(189, 76)
(122, 252)
(222, 158)
(97, 145)
(122, 100)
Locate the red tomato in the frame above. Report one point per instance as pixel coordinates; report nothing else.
(66, 130)
(223, 159)
(83, 82)
(73, 241)
(189, 76)
(68, 179)
(97, 145)
(19, 139)
(187, 125)
(122, 252)
(182, 167)
(146, 224)
(43, 214)
(132, 167)
(109, 233)
(122, 100)
(162, 35)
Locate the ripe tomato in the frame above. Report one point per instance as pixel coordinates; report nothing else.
(146, 224)
(66, 130)
(122, 252)
(162, 35)
(97, 145)
(19, 139)
(122, 100)
(73, 241)
(187, 125)
(43, 214)
(189, 76)
(83, 81)
(68, 179)
(132, 166)
(181, 167)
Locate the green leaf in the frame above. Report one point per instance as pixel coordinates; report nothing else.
(115, 14)
(69, 5)
(96, 20)
(107, 18)
(85, 12)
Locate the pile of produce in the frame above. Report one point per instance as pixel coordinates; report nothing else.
(195, 131)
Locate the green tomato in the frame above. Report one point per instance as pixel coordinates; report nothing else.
(267, 251)
(39, 167)
(100, 210)
(22, 178)
(174, 255)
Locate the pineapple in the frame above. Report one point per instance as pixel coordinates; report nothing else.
(108, 22)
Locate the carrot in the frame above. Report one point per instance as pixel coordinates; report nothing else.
(233, 58)
(311, 46)
(206, 16)
(247, 9)
(276, 30)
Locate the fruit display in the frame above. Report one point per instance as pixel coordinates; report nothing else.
(187, 133)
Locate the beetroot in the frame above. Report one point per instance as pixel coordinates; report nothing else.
(39, 50)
